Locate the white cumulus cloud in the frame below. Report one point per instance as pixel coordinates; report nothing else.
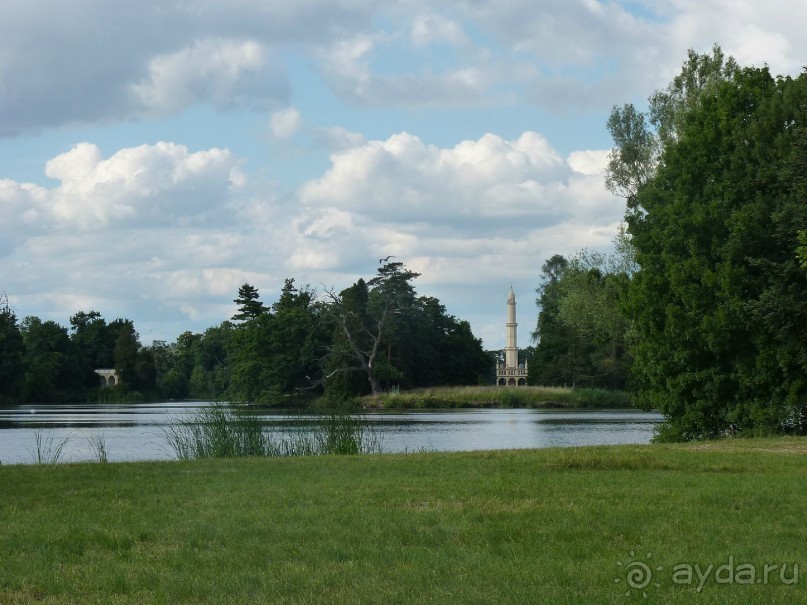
(485, 184)
(157, 183)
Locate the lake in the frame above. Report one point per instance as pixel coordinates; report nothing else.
(136, 431)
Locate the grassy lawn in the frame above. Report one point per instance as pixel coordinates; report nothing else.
(538, 526)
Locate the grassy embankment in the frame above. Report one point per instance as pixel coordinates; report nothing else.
(500, 397)
(540, 526)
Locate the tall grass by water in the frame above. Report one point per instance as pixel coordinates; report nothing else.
(226, 431)
(47, 448)
(98, 445)
(501, 397)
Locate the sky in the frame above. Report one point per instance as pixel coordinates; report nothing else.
(156, 155)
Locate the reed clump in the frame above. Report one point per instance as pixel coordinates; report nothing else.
(226, 431)
(47, 448)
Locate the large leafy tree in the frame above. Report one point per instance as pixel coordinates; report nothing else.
(52, 365)
(463, 361)
(552, 361)
(582, 325)
(90, 334)
(134, 363)
(640, 138)
(299, 338)
(428, 346)
(174, 364)
(277, 352)
(210, 376)
(719, 303)
(11, 354)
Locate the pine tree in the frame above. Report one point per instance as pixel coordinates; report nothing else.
(249, 307)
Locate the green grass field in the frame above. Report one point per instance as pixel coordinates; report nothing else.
(539, 526)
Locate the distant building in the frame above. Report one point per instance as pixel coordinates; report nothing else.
(510, 373)
(109, 378)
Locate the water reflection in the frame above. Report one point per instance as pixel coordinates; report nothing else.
(135, 432)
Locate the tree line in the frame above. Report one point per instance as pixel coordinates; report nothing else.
(377, 334)
(707, 322)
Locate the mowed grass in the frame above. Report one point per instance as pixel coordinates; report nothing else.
(532, 526)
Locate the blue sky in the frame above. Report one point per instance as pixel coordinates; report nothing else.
(154, 156)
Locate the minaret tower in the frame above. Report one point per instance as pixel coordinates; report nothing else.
(509, 372)
(511, 350)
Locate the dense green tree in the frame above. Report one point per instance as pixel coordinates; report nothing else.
(168, 378)
(251, 374)
(174, 365)
(582, 326)
(802, 249)
(276, 353)
(346, 314)
(298, 337)
(719, 304)
(428, 346)
(249, 305)
(133, 362)
(89, 334)
(12, 349)
(210, 376)
(52, 364)
(145, 371)
(127, 344)
(700, 77)
(552, 363)
(186, 351)
(463, 361)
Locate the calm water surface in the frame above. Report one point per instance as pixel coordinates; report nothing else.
(136, 432)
